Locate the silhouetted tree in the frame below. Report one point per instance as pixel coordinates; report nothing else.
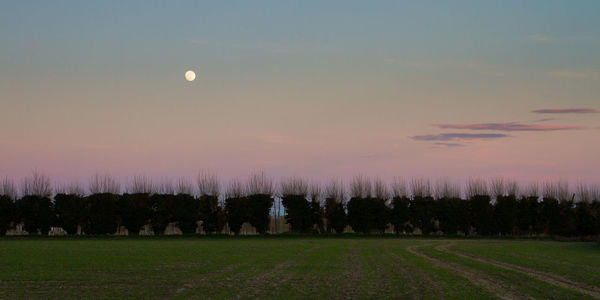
(422, 206)
(585, 219)
(482, 214)
(260, 200)
(36, 213)
(451, 211)
(135, 211)
(400, 215)
(365, 212)
(8, 195)
(35, 209)
(400, 212)
(528, 215)
(162, 211)
(103, 213)
(210, 212)
(422, 213)
(236, 206)
(505, 214)
(185, 213)
(550, 212)
(316, 209)
(298, 211)
(334, 207)
(454, 215)
(71, 211)
(557, 207)
(7, 212)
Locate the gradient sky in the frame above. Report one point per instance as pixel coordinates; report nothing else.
(320, 89)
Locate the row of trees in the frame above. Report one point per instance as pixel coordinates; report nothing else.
(495, 207)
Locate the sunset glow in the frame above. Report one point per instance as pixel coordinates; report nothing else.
(314, 89)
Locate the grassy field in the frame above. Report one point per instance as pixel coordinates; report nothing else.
(331, 268)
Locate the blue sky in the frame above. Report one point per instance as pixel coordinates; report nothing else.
(311, 88)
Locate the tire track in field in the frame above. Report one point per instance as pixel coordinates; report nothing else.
(259, 282)
(188, 285)
(502, 291)
(352, 276)
(540, 275)
(418, 278)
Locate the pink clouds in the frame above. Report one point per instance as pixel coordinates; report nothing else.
(458, 136)
(511, 126)
(544, 120)
(566, 111)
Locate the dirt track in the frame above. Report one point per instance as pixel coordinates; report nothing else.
(500, 290)
(542, 276)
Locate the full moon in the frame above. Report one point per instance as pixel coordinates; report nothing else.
(190, 75)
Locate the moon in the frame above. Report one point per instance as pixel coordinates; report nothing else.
(190, 75)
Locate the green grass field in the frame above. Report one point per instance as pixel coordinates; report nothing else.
(301, 268)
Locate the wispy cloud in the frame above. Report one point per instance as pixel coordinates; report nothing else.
(544, 120)
(508, 127)
(573, 74)
(449, 145)
(567, 111)
(458, 136)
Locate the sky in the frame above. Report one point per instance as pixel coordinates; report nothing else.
(319, 89)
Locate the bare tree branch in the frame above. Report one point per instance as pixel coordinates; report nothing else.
(165, 187)
(446, 189)
(512, 188)
(8, 188)
(420, 187)
(236, 189)
(335, 190)
(104, 184)
(557, 190)
(293, 186)
(314, 191)
(142, 184)
(37, 184)
(208, 184)
(73, 188)
(380, 189)
(497, 187)
(184, 186)
(360, 187)
(532, 190)
(476, 187)
(399, 188)
(584, 193)
(259, 183)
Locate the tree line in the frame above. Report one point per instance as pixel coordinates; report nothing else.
(486, 208)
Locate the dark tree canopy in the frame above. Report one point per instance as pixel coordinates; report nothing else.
(103, 214)
(72, 211)
(298, 212)
(336, 215)
(237, 212)
(260, 208)
(367, 214)
(211, 214)
(135, 211)
(36, 213)
(7, 213)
